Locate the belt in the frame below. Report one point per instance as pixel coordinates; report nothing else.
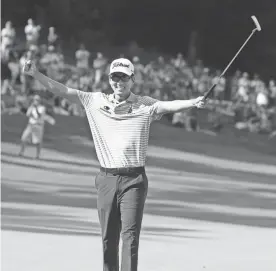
(123, 170)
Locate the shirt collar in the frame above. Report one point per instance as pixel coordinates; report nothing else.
(131, 98)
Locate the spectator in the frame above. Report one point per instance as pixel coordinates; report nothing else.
(82, 59)
(99, 64)
(7, 36)
(219, 91)
(32, 32)
(198, 68)
(262, 96)
(272, 91)
(14, 66)
(243, 87)
(5, 71)
(26, 81)
(85, 83)
(139, 71)
(204, 81)
(52, 37)
(179, 62)
(234, 85)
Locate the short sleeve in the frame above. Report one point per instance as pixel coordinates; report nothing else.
(87, 98)
(153, 104)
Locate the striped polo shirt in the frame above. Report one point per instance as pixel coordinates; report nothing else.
(120, 129)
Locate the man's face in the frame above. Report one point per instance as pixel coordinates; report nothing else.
(120, 82)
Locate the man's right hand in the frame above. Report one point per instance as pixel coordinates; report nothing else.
(29, 68)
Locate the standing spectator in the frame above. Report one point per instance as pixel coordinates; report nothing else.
(32, 32)
(272, 91)
(204, 81)
(243, 87)
(234, 85)
(219, 91)
(7, 36)
(198, 68)
(86, 82)
(14, 66)
(5, 71)
(262, 96)
(52, 37)
(139, 68)
(82, 59)
(179, 62)
(99, 64)
(27, 81)
(73, 82)
(34, 131)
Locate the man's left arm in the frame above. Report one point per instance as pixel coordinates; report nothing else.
(165, 107)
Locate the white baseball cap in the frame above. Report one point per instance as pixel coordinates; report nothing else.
(122, 65)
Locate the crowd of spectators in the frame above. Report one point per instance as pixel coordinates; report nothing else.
(249, 101)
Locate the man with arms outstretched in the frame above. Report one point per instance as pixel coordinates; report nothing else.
(120, 125)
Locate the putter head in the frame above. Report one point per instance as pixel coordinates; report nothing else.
(258, 26)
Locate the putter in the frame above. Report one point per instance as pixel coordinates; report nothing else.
(257, 28)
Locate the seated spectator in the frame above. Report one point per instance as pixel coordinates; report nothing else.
(7, 36)
(32, 32)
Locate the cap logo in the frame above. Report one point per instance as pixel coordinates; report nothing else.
(120, 64)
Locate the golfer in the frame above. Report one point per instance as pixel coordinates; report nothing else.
(120, 124)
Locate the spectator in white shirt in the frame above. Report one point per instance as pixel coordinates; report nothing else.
(32, 32)
(243, 87)
(262, 96)
(7, 36)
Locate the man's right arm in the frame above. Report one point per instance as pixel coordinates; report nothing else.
(52, 85)
(58, 88)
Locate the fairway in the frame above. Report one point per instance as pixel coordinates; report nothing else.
(206, 209)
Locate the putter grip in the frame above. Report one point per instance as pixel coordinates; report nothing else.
(208, 93)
